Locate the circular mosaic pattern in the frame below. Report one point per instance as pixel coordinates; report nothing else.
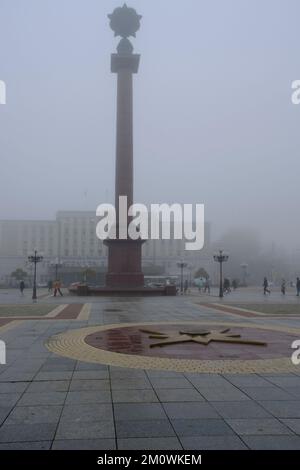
(131, 345)
(133, 340)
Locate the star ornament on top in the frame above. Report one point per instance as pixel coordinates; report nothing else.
(124, 21)
(201, 337)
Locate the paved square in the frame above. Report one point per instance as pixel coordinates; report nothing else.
(54, 400)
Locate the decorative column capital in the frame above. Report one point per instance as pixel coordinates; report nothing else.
(125, 22)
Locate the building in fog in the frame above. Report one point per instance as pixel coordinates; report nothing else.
(71, 240)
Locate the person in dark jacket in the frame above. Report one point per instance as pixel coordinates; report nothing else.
(22, 287)
(266, 286)
(298, 286)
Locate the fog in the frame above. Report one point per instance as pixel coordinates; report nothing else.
(213, 117)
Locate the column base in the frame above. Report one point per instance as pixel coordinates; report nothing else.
(125, 280)
(124, 263)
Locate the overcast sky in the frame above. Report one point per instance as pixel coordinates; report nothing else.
(214, 122)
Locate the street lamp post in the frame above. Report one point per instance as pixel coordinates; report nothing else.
(244, 267)
(56, 264)
(35, 259)
(181, 265)
(221, 257)
(191, 268)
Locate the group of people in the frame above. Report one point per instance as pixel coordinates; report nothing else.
(53, 287)
(227, 285)
(282, 287)
(205, 285)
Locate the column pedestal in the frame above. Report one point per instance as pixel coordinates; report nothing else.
(124, 263)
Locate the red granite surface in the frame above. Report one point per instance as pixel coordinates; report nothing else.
(130, 340)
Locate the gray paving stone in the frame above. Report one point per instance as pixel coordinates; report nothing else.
(22, 370)
(252, 426)
(48, 386)
(84, 444)
(9, 399)
(293, 424)
(13, 387)
(86, 430)
(100, 396)
(179, 395)
(89, 385)
(57, 361)
(127, 374)
(4, 412)
(164, 374)
(57, 368)
(272, 442)
(87, 412)
(42, 398)
(244, 409)
(222, 394)
(282, 409)
(91, 374)
(247, 381)
(148, 428)
(27, 432)
(84, 366)
(208, 380)
(130, 384)
(134, 396)
(62, 375)
(190, 410)
(278, 375)
(213, 443)
(268, 393)
(172, 382)
(201, 427)
(43, 445)
(34, 414)
(294, 392)
(139, 411)
(150, 443)
(285, 381)
(17, 376)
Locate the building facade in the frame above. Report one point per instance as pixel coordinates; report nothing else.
(71, 240)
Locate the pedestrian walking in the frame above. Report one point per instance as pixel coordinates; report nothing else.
(57, 286)
(283, 286)
(207, 285)
(298, 286)
(226, 286)
(22, 287)
(266, 286)
(50, 286)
